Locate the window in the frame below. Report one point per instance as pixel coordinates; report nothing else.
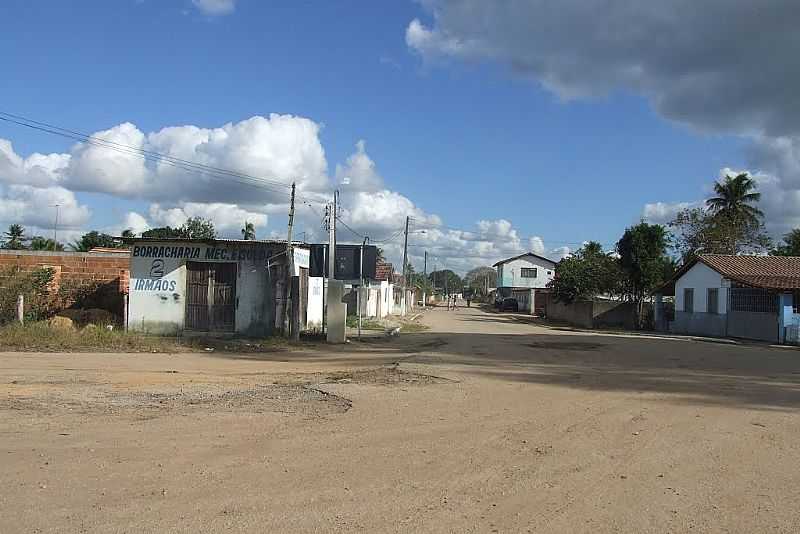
(688, 300)
(528, 273)
(712, 305)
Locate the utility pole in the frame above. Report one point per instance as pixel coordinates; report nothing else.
(55, 228)
(361, 286)
(288, 328)
(425, 278)
(405, 261)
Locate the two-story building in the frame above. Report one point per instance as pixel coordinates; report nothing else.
(518, 275)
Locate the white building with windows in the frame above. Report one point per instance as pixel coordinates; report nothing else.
(749, 297)
(526, 271)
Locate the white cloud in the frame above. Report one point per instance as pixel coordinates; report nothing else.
(34, 206)
(359, 172)
(215, 7)
(227, 218)
(135, 222)
(278, 148)
(664, 212)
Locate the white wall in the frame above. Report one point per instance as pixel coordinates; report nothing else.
(315, 303)
(700, 278)
(157, 300)
(510, 274)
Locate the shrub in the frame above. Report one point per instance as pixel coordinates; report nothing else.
(34, 285)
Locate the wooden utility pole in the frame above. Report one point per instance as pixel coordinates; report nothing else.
(288, 328)
(405, 261)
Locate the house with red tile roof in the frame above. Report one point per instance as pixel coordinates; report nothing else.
(750, 297)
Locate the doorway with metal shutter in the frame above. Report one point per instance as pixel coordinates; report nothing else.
(211, 296)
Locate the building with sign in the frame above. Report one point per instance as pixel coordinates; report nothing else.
(182, 286)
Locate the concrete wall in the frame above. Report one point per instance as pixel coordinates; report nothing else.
(700, 278)
(700, 324)
(157, 302)
(315, 304)
(510, 274)
(590, 314)
(754, 325)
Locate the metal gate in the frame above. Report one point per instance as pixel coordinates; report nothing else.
(211, 296)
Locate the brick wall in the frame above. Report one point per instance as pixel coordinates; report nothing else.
(111, 270)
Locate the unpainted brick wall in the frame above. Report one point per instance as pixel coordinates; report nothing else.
(75, 269)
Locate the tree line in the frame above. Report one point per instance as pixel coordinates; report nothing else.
(647, 255)
(15, 238)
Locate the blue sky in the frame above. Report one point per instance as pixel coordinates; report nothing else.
(464, 138)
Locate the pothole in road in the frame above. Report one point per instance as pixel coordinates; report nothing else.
(383, 376)
(277, 398)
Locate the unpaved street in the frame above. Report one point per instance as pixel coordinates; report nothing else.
(485, 423)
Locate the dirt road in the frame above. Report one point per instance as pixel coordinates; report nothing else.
(482, 424)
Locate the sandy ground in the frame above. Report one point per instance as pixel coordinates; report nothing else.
(483, 424)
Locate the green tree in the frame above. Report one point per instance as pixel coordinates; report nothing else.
(790, 246)
(479, 278)
(94, 239)
(587, 273)
(199, 228)
(733, 209)
(446, 280)
(43, 243)
(128, 233)
(249, 231)
(644, 261)
(14, 237)
(164, 232)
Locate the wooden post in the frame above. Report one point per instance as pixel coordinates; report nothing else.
(21, 309)
(125, 311)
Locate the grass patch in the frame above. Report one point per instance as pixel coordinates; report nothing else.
(41, 337)
(366, 324)
(414, 326)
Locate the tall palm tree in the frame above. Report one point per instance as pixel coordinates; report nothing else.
(734, 205)
(249, 231)
(15, 237)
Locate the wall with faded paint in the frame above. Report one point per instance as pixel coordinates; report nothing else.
(315, 303)
(701, 277)
(157, 301)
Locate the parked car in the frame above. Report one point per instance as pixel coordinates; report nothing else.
(509, 304)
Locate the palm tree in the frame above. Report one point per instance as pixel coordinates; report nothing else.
(733, 205)
(15, 237)
(249, 231)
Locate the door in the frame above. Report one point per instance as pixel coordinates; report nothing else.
(211, 296)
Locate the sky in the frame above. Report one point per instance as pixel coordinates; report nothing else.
(500, 127)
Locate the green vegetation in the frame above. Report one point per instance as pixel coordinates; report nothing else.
(790, 246)
(40, 336)
(33, 286)
(193, 228)
(730, 224)
(586, 274)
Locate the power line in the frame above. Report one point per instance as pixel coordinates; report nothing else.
(147, 155)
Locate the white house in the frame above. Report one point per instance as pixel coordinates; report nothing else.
(525, 271)
(751, 297)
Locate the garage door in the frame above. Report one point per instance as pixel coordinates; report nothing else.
(211, 296)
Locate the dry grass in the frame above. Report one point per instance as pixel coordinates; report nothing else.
(39, 336)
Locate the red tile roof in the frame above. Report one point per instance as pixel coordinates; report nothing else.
(383, 271)
(770, 272)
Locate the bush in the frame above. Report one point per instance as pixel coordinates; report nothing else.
(34, 286)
